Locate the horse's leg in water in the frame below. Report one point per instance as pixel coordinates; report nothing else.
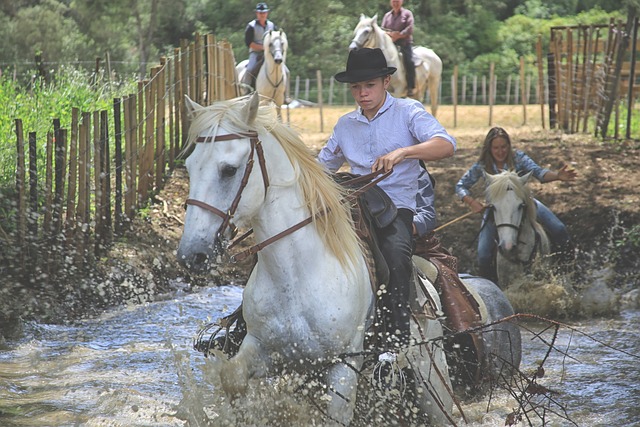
(237, 371)
(342, 382)
(433, 391)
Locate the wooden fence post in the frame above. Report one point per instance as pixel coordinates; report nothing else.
(454, 95)
(160, 126)
(523, 92)
(540, 79)
(60, 172)
(105, 177)
(319, 77)
(632, 75)
(84, 177)
(177, 103)
(72, 180)
(491, 70)
(22, 197)
(117, 127)
(33, 187)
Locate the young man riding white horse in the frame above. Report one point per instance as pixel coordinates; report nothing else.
(390, 134)
(386, 133)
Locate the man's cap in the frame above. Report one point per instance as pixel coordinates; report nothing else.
(365, 64)
(262, 7)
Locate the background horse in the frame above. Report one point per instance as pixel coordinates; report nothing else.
(428, 65)
(290, 323)
(272, 79)
(520, 237)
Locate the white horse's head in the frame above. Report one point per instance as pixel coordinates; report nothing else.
(511, 201)
(226, 184)
(364, 32)
(250, 170)
(275, 45)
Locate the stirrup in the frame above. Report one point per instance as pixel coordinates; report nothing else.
(387, 373)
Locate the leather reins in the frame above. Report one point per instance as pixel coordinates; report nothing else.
(256, 147)
(352, 196)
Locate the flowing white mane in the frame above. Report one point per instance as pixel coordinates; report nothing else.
(320, 192)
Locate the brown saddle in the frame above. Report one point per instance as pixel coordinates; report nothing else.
(461, 309)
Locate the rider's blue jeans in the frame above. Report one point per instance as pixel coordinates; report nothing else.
(487, 239)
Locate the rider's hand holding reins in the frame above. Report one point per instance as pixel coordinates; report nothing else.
(474, 205)
(389, 160)
(436, 148)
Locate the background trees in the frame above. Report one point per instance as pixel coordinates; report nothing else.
(467, 33)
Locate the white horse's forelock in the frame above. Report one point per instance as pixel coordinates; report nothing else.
(508, 180)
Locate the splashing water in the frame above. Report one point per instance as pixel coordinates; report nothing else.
(135, 366)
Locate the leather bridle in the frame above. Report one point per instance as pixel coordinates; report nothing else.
(277, 84)
(536, 244)
(256, 149)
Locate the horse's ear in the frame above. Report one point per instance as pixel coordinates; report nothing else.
(488, 177)
(191, 105)
(362, 17)
(250, 110)
(525, 178)
(375, 18)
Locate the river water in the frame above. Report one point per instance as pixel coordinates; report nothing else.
(135, 366)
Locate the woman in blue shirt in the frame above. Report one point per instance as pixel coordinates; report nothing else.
(497, 155)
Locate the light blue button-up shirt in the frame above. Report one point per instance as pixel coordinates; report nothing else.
(359, 142)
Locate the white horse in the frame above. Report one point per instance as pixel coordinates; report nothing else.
(520, 237)
(272, 79)
(308, 303)
(428, 65)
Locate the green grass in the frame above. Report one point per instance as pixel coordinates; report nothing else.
(38, 102)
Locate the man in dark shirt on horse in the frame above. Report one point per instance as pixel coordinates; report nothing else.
(398, 24)
(253, 35)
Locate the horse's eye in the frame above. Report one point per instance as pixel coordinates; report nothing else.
(522, 206)
(228, 171)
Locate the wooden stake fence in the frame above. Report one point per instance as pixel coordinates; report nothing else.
(109, 163)
(590, 66)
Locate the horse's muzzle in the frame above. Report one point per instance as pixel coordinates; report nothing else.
(200, 260)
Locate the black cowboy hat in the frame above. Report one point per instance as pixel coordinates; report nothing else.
(262, 7)
(365, 64)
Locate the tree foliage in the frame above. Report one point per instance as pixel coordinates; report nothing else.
(135, 32)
